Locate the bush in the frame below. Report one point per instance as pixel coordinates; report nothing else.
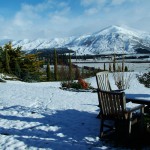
(83, 83)
(80, 84)
(126, 69)
(144, 79)
(122, 79)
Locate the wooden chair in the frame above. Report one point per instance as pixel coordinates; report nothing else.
(113, 106)
(103, 81)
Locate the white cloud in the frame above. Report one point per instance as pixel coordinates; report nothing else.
(29, 22)
(91, 2)
(91, 11)
(51, 19)
(118, 2)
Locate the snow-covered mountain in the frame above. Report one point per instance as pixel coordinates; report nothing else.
(109, 40)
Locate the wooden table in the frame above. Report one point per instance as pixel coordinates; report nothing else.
(139, 98)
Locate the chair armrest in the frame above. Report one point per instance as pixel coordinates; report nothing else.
(135, 107)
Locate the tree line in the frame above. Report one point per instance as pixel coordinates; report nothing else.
(29, 67)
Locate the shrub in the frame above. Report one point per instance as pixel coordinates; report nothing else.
(122, 79)
(76, 85)
(126, 69)
(83, 83)
(144, 79)
(80, 84)
(121, 75)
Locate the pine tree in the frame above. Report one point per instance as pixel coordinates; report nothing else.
(7, 60)
(17, 69)
(83, 74)
(48, 73)
(110, 67)
(1, 65)
(126, 69)
(55, 66)
(31, 68)
(70, 68)
(63, 73)
(10, 56)
(104, 66)
(77, 73)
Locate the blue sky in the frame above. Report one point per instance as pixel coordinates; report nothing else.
(32, 19)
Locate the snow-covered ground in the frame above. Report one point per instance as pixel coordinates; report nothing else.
(137, 67)
(42, 116)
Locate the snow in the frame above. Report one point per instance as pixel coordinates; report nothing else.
(126, 40)
(42, 116)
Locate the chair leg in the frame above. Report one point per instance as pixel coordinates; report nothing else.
(101, 128)
(130, 123)
(130, 126)
(142, 121)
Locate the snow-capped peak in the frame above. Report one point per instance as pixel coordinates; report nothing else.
(101, 42)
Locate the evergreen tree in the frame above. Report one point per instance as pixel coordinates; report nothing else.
(48, 73)
(104, 66)
(77, 73)
(126, 69)
(7, 60)
(123, 68)
(55, 66)
(6, 48)
(31, 68)
(1, 65)
(17, 69)
(12, 60)
(110, 67)
(9, 57)
(70, 68)
(63, 73)
(15, 55)
(83, 74)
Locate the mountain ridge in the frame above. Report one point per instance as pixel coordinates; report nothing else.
(108, 40)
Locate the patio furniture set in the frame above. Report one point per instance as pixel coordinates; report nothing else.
(116, 106)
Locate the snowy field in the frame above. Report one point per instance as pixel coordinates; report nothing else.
(137, 67)
(39, 116)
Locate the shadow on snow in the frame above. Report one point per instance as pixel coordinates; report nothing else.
(62, 128)
(66, 129)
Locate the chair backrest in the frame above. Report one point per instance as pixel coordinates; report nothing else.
(112, 104)
(103, 81)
